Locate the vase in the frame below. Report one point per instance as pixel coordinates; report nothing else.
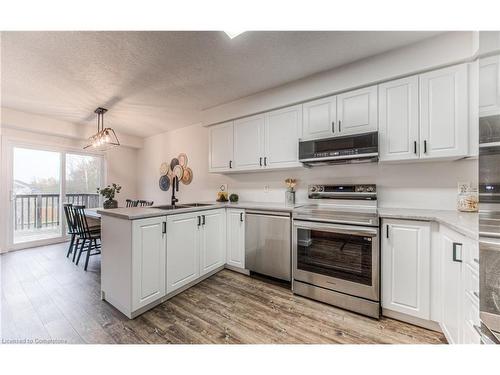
(110, 203)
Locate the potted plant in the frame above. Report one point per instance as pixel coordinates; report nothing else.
(109, 193)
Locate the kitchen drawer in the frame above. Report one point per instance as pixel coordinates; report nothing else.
(472, 255)
(471, 309)
(471, 283)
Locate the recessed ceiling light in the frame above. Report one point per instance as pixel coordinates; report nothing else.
(233, 34)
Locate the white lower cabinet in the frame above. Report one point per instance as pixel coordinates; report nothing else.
(196, 245)
(213, 240)
(406, 247)
(183, 260)
(431, 274)
(235, 238)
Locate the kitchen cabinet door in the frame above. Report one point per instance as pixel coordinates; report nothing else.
(183, 255)
(236, 238)
(249, 142)
(220, 157)
(148, 261)
(451, 284)
(444, 112)
(357, 111)
(489, 86)
(282, 133)
(405, 255)
(398, 119)
(213, 240)
(320, 118)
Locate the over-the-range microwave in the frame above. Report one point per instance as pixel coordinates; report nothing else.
(355, 148)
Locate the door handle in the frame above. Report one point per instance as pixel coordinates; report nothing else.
(387, 231)
(203, 219)
(425, 146)
(333, 126)
(241, 217)
(230, 164)
(415, 147)
(199, 220)
(260, 161)
(265, 161)
(164, 227)
(340, 124)
(455, 247)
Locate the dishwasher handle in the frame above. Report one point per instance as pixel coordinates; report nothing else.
(267, 213)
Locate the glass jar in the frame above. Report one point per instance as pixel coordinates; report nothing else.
(468, 200)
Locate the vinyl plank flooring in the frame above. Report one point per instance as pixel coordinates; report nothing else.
(47, 297)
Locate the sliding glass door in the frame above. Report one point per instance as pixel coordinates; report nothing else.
(41, 181)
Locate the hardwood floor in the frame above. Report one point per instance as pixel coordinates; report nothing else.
(46, 297)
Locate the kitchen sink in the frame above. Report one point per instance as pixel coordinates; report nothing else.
(198, 204)
(170, 207)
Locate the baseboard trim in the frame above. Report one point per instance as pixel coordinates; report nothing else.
(428, 324)
(244, 271)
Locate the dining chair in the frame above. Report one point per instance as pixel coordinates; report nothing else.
(72, 230)
(145, 203)
(88, 237)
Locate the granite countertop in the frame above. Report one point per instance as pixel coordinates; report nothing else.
(132, 213)
(466, 223)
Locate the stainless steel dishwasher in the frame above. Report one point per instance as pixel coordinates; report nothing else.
(267, 243)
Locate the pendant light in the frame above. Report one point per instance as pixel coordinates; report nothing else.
(105, 138)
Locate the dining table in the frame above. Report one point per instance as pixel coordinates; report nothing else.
(93, 217)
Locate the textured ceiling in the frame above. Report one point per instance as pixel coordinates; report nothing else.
(157, 81)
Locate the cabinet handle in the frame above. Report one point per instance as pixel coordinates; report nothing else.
(455, 257)
(199, 220)
(265, 161)
(476, 260)
(415, 147)
(241, 217)
(260, 161)
(203, 219)
(164, 227)
(333, 126)
(340, 126)
(230, 164)
(476, 294)
(387, 230)
(425, 146)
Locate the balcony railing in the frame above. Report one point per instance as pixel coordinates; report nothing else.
(33, 211)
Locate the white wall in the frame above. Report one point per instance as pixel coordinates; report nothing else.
(424, 184)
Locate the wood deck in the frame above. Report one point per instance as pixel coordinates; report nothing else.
(46, 297)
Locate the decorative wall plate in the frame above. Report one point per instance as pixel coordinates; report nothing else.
(183, 160)
(164, 183)
(178, 171)
(173, 163)
(163, 169)
(187, 177)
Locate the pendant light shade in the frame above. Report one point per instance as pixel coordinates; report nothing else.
(105, 138)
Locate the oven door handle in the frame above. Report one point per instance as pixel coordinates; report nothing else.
(344, 229)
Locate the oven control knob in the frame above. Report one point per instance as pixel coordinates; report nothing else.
(313, 188)
(321, 188)
(370, 189)
(360, 188)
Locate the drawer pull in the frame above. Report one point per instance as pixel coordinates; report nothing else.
(476, 294)
(476, 260)
(455, 248)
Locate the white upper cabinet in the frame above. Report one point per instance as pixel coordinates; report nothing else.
(489, 86)
(357, 111)
(406, 247)
(213, 240)
(398, 120)
(282, 131)
(249, 142)
(148, 261)
(444, 113)
(320, 118)
(183, 255)
(220, 147)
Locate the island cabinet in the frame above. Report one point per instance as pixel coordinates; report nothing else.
(196, 246)
(133, 263)
(235, 238)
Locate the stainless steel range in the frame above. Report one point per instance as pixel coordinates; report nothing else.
(336, 253)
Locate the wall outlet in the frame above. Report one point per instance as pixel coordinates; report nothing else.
(266, 188)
